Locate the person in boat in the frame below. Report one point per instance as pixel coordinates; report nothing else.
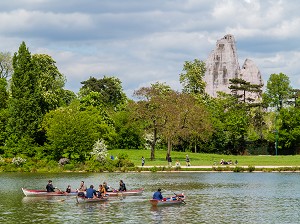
(91, 192)
(50, 187)
(107, 188)
(157, 195)
(68, 190)
(101, 191)
(82, 187)
(122, 186)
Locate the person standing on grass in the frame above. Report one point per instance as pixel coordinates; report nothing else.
(143, 161)
(187, 160)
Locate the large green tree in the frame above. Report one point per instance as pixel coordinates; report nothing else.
(109, 89)
(192, 78)
(278, 91)
(148, 109)
(25, 113)
(50, 82)
(72, 132)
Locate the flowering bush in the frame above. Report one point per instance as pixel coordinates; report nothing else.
(18, 161)
(149, 139)
(63, 161)
(99, 150)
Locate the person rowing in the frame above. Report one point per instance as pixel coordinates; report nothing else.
(91, 192)
(122, 186)
(50, 187)
(157, 195)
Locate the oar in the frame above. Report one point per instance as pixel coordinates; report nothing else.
(179, 199)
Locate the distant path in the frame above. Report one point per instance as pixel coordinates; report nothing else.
(210, 167)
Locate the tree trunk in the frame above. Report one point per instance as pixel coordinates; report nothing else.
(153, 143)
(169, 146)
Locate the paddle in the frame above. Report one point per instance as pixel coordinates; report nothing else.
(179, 198)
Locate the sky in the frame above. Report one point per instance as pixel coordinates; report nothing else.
(142, 42)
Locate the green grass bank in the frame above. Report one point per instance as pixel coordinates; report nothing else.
(200, 159)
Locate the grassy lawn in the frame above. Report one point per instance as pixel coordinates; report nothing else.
(200, 159)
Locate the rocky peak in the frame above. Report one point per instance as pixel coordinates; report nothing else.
(222, 65)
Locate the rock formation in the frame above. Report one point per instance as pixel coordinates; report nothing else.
(222, 65)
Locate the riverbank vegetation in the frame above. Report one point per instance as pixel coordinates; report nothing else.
(46, 127)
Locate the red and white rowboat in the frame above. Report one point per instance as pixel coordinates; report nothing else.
(38, 193)
(175, 200)
(125, 193)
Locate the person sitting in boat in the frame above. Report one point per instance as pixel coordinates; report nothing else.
(107, 188)
(68, 190)
(101, 191)
(157, 195)
(91, 192)
(50, 187)
(122, 186)
(82, 187)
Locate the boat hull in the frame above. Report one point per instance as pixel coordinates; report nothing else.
(177, 200)
(81, 200)
(43, 193)
(125, 193)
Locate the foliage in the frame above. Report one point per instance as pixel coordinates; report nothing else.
(50, 81)
(6, 67)
(99, 150)
(25, 113)
(72, 133)
(18, 161)
(109, 88)
(148, 109)
(278, 91)
(192, 79)
(129, 131)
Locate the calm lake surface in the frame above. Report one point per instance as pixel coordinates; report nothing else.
(211, 198)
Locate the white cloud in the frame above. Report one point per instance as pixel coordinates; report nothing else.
(142, 42)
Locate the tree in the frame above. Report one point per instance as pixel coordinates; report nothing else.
(6, 67)
(278, 91)
(50, 82)
(192, 79)
(185, 119)
(71, 132)
(148, 110)
(24, 109)
(109, 88)
(245, 91)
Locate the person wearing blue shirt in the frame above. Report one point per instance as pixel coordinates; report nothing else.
(91, 192)
(157, 195)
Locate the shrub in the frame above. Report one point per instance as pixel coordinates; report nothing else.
(100, 150)
(238, 169)
(251, 168)
(18, 161)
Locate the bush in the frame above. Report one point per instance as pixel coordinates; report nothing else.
(238, 169)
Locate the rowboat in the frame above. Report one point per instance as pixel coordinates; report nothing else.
(125, 193)
(90, 200)
(175, 200)
(42, 193)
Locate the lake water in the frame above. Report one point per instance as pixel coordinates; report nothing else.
(211, 198)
